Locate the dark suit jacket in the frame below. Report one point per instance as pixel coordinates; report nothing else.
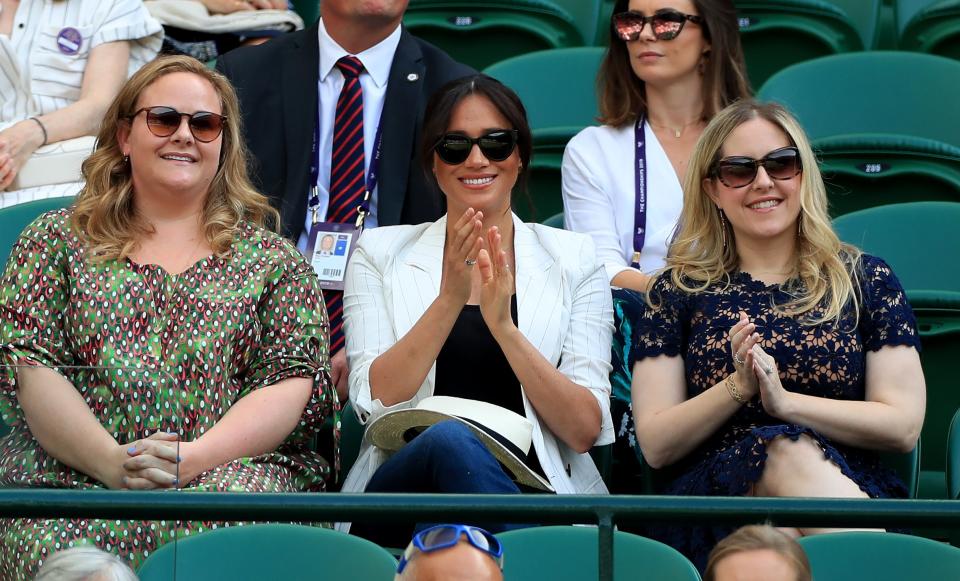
(277, 86)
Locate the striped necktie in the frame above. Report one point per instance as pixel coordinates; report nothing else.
(347, 184)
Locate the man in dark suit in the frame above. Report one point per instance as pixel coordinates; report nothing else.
(289, 86)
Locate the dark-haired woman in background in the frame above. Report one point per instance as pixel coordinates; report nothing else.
(671, 66)
(482, 306)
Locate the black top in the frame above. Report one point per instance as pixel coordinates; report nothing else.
(472, 365)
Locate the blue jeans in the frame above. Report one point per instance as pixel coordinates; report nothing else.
(445, 458)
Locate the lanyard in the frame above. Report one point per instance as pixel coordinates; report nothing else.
(640, 199)
(372, 173)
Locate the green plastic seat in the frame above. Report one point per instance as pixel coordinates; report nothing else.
(900, 144)
(482, 32)
(587, 14)
(561, 553)
(879, 557)
(930, 26)
(953, 458)
(555, 221)
(13, 219)
(269, 551)
(866, 17)
(908, 237)
(309, 10)
(539, 79)
(351, 436)
(779, 33)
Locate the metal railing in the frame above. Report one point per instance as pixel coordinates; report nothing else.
(604, 511)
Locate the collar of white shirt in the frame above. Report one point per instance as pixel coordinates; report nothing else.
(376, 60)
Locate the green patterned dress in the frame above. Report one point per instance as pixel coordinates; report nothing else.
(152, 351)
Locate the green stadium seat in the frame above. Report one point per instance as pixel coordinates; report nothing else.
(13, 219)
(555, 221)
(562, 553)
(269, 551)
(539, 78)
(309, 10)
(778, 33)
(587, 14)
(901, 144)
(953, 458)
(351, 436)
(879, 557)
(932, 27)
(603, 23)
(907, 236)
(482, 32)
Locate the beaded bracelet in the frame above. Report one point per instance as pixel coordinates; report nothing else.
(42, 128)
(733, 390)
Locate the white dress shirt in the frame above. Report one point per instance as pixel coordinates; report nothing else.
(41, 67)
(564, 309)
(599, 192)
(377, 61)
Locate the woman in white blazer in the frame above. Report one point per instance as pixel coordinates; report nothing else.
(478, 305)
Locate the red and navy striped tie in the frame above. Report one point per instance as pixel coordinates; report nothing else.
(347, 184)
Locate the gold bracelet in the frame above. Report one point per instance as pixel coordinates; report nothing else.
(733, 390)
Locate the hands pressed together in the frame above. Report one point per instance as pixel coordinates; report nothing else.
(151, 463)
(756, 370)
(17, 144)
(470, 247)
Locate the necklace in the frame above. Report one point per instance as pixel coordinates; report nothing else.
(677, 131)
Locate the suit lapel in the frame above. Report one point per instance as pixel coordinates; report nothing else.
(539, 292)
(401, 118)
(418, 276)
(301, 66)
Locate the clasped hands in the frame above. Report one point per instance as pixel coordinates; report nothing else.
(757, 371)
(467, 249)
(17, 144)
(147, 464)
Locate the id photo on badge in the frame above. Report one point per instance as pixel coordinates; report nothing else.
(330, 253)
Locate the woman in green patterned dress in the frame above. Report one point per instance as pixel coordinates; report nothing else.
(156, 334)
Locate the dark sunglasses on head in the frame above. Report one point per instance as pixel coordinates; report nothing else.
(445, 536)
(739, 171)
(164, 122)
(496, 145)
(666, 24)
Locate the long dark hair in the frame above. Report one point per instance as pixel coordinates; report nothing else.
(622, 94)
(445, 100)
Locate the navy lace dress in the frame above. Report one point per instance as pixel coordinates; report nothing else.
(823, 360)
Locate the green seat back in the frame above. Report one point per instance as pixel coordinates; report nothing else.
(865, 16)
(269, 551)
(482, 32)
(538, 78)
(933, 29)
(953, 458)
(906, 95)
(13, 219)
(555, 221)
(779, 33)
(561, 553)
(879, 557)
(309, 10)
(351, 436)
(908, 237)
(586, 14)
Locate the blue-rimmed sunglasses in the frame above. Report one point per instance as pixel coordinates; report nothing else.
(445, 536)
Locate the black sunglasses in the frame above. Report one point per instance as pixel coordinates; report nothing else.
(740, 171)
(666, 24)
(164, 122)
(496, 145)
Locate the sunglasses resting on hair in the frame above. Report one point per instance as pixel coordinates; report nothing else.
(496, 145)
(164, 122)
(740, 171)
(666, 24)
(445, 536)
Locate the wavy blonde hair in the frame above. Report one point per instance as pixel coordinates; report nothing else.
(104, 214)
(698, 258)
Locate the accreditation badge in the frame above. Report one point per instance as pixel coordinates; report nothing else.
(329, 249)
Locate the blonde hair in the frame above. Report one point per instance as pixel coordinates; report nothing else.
(759, 538)
(104, 215)
(83, 563)
(699, 257)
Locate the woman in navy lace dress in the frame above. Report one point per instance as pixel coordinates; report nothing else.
(771, 359)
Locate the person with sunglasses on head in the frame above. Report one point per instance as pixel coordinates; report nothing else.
(769, 358)
(62, 62)
(157, 334)
(671, 65)
(481, 306)
(452, 553)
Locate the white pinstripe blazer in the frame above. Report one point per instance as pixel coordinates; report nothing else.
(564, 309)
